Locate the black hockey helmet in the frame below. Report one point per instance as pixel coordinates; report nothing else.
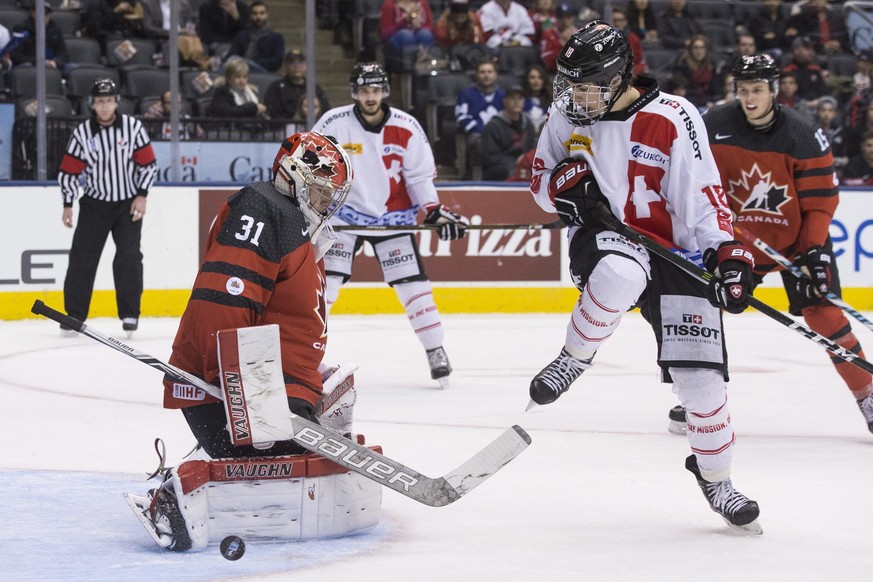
(369, 74)
(758, 67)
(104, 88)
(596, 56)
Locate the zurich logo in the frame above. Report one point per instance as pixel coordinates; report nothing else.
(642, 153)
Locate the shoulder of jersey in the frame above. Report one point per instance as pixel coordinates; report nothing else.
(336, 115)
(264, 202)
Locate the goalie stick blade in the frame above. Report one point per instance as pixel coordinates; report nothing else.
(140, 505)
(342, 451)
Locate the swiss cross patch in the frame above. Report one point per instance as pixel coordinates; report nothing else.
(692, 318)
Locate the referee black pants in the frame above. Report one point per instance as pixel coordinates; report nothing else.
(96, 220)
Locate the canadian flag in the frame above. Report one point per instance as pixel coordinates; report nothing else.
(186, 161)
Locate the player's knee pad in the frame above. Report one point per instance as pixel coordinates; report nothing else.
(338, 259)
(399, 258)
(704, 395)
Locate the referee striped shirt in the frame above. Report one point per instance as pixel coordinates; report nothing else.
(117, 161)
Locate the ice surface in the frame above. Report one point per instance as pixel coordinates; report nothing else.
(601, 494)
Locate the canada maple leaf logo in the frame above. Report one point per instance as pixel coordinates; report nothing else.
(756, 192)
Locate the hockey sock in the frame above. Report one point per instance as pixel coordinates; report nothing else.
(829, 321)
(417, 300)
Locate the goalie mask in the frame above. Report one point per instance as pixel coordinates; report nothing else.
(316, 174)
(594, 68)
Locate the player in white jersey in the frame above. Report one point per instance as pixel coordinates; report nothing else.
(614, 144)
(394, 171)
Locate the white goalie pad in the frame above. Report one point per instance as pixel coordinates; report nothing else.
(296, 497)
(336, 407)
(250, 364)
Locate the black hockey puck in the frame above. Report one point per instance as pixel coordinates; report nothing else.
(232, 548)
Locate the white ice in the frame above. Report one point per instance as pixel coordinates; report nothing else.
(601, 494)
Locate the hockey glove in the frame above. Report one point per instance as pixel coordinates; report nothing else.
(577, 197)
(302, 408)
(731, 266)
(816, 264)
(451, 225)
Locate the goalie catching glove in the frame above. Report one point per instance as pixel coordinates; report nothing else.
(451, 226)
(816, 264)
(576, 195)
(731, 266)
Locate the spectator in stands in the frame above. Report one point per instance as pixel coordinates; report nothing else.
(746, 45)
(104, 19)
(554, 39)
(863, 70)
(283, 97)
(677, 85)
(458, 25)
(406, 23)
(643, 22)
(262, 48)
(475, 107)
(235, 97)
(537, 94)
(828, 117)
(55, 47)
(810, 77)
(506, 137)
(5, 38)
(789, 98)
(823, 25)
(727, 89)
(676, 25)
(542, 14)
(859, 171)
(220, 21)
(699, 68)
(155, 26)
(303, 110)
(621, 22)
(506, 23)
(858, 122)
(768, 26)
(161, 110)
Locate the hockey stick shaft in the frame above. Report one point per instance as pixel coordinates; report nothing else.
(794, 270)
(378, 227)
(357, 458)
(704, 276)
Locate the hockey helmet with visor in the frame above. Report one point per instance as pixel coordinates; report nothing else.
(369, 75)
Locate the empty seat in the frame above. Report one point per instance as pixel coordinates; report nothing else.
(721, 36)
(661, 60)
(842, 65)
(517, 59)
(82, 50)
(23, 81)
(144, 82)
(142, 53)
(711, 9)
(55, 106)
(262, 81)
(81, 79)
(186, 82)
(12, 17)
(69, 21)
(442, 91)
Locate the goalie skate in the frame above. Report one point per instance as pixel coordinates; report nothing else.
(161, 519)
(737, 510)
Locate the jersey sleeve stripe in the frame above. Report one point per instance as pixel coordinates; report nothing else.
(232, 270)
(220, 298)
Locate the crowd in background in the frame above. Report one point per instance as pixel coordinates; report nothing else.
(505, 49)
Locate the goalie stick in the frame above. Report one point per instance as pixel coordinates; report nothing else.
(435, 492)
(705, 276)
(794, 270)
(377, 227)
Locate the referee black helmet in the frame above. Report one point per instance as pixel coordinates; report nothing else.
(104, 88)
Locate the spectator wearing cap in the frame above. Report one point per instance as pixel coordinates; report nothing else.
(55, 48)
(283, 96)
(506, 137)
(859, 171)
(458, 25)
(822, 25)
(542, 14)
(828, 116)
(676, 25)
(810, 77)
(621, 22)
(506, 23)
(556, 37)
(258, 44)
(406, 23)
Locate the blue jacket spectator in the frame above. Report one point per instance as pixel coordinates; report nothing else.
(258, 44)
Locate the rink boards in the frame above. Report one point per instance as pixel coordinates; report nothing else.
(489, 271)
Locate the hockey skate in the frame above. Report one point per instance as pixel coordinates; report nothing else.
(129, 325)
(738, 511)
(866, 406)
(440, 368)
(678, 424)
(159, 513)
(555, 379)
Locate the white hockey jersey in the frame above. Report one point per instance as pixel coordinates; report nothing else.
(652, 162)
(394, 167)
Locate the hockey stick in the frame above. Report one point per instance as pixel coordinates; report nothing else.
(548, 226)
(342, 451)
(704, 276)
(794, 270)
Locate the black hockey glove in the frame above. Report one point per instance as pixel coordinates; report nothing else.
(577, 197)
(731, 266)
(816, 264)
(451, 225)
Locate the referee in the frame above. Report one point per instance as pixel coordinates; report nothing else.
(114, 155)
